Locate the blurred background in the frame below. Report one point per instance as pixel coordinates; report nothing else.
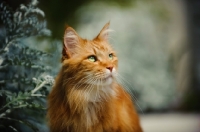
(158, 45)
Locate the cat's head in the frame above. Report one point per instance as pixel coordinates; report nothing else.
(94, 61)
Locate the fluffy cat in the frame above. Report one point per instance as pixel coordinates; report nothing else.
(86, 96)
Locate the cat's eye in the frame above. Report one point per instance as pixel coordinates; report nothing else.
(92, 58)
(111, 56)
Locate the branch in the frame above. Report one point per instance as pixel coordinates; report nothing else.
(39, 87)
(38, 95)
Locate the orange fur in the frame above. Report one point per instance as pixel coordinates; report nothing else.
(86, 96)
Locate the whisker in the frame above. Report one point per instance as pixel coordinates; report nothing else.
(124, 84)
(87, 90)
(76, 87)
(67, 80)
(90, 88)
(128, 89)
(88, 82)
(97, 90)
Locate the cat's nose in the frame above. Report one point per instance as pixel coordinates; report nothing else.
(110, 68)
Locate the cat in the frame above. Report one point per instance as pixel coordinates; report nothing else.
(86, 96)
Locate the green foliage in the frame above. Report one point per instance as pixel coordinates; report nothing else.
(24, 76)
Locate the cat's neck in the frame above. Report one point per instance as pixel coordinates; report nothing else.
(91, 96)
(100, 93)
(91, 103)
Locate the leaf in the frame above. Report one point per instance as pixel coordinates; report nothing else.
(35, 129)
(14, 129)
(20, 93)
(27, 123)
(23, 63)
(9, 98)
(6, 40)
(1, 5)
(5, 92)
(25, 74)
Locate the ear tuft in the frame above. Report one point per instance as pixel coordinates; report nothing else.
(71, 40)
(104, 33)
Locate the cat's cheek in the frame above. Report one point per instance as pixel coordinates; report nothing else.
(114, 73)
(114, 70)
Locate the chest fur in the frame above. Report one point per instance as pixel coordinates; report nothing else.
(92, 114)
(98, 105)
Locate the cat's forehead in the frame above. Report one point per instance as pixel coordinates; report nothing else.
(98, 46)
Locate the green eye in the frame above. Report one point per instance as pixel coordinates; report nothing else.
(92, 58)
(111, 56)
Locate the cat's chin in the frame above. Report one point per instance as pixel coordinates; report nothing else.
(104, 82)
(107, 81)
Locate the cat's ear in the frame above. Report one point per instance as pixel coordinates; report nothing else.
(104, 33)
(70, 42)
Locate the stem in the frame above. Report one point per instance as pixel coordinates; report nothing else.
(20, 106)
(12, 119)
(8, 104)
(7, 45)
(32, 94)
(22, 122)
(39, 87)
(16, 99)
(38, 95)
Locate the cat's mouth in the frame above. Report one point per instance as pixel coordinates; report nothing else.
(109, 76)
(104, 80)
(107, 80)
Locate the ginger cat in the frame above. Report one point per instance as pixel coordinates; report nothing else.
(86, 96)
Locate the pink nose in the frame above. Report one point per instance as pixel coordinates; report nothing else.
(110, 68)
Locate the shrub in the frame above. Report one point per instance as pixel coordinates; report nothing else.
(24, 76)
